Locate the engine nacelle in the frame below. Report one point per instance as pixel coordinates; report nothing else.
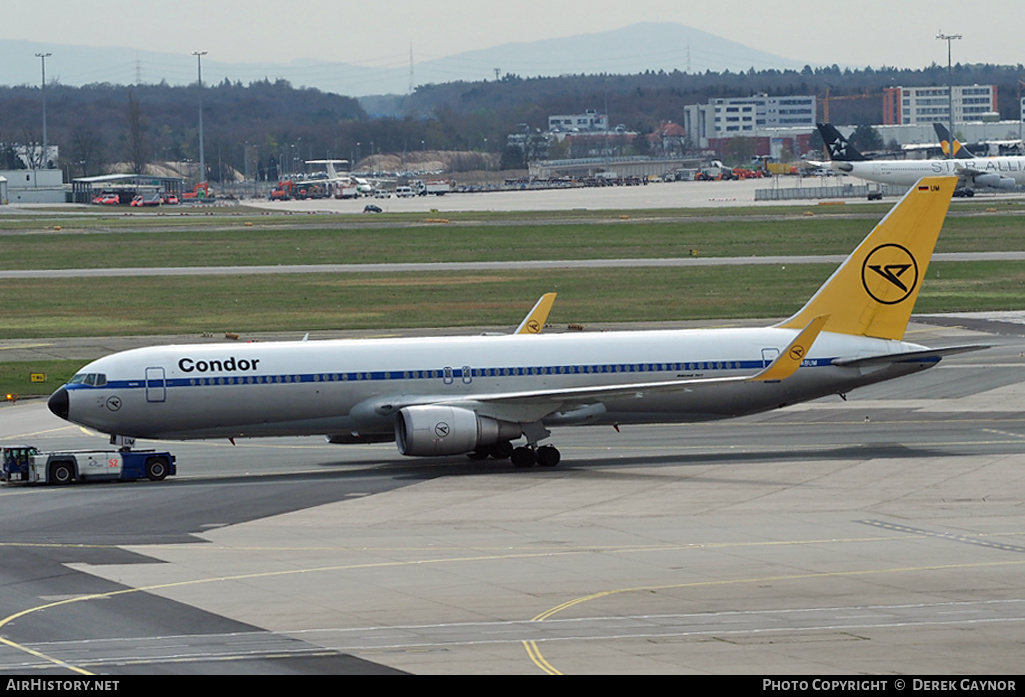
(441, 430)
(997, 181)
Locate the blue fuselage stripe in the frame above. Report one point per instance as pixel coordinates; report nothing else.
(447, 374)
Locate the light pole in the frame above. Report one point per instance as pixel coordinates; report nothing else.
(42, 60)
(950, 88)
(199, 69)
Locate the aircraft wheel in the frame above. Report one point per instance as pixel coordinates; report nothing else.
(548, 456)
(156, 469)
(523, 457)
(501, 450)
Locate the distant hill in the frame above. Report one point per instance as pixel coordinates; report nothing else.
(633, 49)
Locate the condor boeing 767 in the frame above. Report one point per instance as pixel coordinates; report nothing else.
(479, 394)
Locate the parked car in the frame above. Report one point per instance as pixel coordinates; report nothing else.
(107, 200)
(371, 208)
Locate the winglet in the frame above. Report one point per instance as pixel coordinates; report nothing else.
(535, 320)
(790, 359)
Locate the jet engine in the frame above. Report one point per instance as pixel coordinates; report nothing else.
(996, 181)
(442, 430)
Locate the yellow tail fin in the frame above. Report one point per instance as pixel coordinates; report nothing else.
(535, 320)
(874, 290)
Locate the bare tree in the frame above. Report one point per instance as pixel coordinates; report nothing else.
(136, 139)
(86, 150)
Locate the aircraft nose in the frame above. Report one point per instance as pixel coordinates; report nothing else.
(58, 403)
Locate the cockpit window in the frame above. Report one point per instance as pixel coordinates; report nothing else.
(93, 379)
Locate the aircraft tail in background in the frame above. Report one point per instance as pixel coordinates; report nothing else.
(947, 142)
(839, 148)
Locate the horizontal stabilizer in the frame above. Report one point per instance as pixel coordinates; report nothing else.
(926, 355)
(789, 360)
(535, 320)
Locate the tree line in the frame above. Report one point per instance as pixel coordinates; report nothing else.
(268, 127)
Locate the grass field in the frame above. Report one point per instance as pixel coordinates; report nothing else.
(54, 307)
(221, 242)
(303, 302)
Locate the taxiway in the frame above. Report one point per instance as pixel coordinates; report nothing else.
(878, 534)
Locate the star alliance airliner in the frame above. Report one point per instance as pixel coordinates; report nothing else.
(1004, 173)
(481, 394)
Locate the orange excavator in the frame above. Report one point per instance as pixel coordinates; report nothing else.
(200, 192)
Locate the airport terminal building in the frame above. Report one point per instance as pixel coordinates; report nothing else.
(747, 116)
(924, 105)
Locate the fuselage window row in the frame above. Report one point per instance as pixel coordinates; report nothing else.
(440, 374)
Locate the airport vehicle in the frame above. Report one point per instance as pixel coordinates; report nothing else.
(371, 208)
(107, 200)
(476, 394)
(28, 465)
(404, 192)
(145, 200)
(282, 191)
(714, 171)
(170, 200)
(287, 189)
(438, 187)
(347, 190)
(995, 172)
(200, 192)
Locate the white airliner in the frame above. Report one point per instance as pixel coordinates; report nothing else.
(334, 177)
(1004, 172)
(478, 394)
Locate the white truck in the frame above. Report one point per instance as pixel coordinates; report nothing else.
(439, 187)
(28, 465)
(347, 190)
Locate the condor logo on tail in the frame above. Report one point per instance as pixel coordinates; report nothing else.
(889, 274)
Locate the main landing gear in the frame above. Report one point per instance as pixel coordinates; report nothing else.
(523, 456)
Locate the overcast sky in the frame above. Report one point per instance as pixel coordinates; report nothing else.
(379, 33)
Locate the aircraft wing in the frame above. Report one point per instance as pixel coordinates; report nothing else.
(533, 405)
(975, 176)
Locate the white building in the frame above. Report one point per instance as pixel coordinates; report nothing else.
(747, 116)
(590, 120)
(34, 186)
(924, 105)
